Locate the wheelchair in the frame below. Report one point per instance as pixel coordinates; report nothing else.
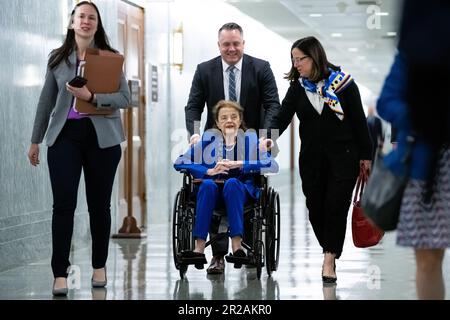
(263, 246)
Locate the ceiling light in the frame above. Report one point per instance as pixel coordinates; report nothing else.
(352, 49)
(336, 34)
(315, 15)
(391, 34)
(381, 13)
(367, 2)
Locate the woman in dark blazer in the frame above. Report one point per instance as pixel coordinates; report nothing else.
(226, 159)
(335, 142)
(79, 142)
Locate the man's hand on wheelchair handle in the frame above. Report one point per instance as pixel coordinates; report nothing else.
(265, 144)
(194, 139)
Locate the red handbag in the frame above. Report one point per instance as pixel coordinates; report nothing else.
(365, 234)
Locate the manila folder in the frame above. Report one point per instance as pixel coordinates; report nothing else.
(103, 70)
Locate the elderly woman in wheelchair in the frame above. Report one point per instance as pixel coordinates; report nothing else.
(226, 160)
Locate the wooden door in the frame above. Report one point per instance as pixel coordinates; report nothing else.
(132, 191)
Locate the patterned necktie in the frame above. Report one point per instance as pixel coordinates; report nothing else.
(232, 83)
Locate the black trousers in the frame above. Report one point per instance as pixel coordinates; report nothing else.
(328, 199)
(75, 149)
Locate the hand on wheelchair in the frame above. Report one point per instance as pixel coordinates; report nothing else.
(194, 139)
(265, 144)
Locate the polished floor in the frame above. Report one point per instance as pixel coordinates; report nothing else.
(144, 269)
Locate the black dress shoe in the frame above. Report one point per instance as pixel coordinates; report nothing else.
(217, 265)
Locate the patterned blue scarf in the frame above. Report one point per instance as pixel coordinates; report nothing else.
(336, 82)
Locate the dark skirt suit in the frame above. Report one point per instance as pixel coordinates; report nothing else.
(329, 158)
(238, 186)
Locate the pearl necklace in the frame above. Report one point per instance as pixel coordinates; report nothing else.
(230, 148)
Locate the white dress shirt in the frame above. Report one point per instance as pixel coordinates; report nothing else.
(238, 77)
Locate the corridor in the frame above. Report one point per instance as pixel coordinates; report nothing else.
(144, 269)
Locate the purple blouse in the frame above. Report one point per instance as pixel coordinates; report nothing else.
(73, 114)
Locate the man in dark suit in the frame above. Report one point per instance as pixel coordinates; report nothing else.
(375, 130)
(231, 76)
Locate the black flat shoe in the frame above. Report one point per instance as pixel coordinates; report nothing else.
(192, 254)
(239, 253)
(190, 257)
(238, 258)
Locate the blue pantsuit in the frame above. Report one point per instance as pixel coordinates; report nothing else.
(235, 188)
(209, 196)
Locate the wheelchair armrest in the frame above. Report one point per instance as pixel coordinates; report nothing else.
(218, 181)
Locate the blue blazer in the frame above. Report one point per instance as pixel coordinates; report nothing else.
(392, 107)
(210, 149)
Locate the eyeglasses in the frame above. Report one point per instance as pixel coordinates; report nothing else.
(297, 60)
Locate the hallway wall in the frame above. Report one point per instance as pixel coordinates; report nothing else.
(29, 30)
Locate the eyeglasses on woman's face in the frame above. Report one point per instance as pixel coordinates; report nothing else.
(297, 60)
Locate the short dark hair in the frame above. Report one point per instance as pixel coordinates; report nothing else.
(311, 47)
(231, 26)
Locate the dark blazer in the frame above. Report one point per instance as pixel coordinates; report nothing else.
(343, 142)
(258, 91)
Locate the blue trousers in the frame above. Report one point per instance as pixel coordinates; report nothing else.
(209, 196)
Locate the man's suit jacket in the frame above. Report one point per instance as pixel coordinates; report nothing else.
(55, 101)
(259, 93)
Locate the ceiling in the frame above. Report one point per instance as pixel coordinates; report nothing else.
(359, 35)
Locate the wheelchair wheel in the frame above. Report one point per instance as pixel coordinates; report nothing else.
(175, 226)
(183, 269)
(181, 232)
(272, 231)
(259, 258)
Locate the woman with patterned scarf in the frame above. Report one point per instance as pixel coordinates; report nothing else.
(335, 142)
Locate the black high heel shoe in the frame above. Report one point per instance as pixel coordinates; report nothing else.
(328, 279)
